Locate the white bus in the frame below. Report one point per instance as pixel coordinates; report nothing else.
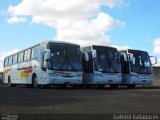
(136, 68)
(44, 64)
(102, 67)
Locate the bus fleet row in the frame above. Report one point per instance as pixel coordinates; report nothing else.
(62, 63)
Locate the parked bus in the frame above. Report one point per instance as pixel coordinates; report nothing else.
(102, 66)
(44, 64)
(136, 68)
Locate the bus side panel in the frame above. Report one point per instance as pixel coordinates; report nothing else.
(7, 73)
(14, 76)
(41, 75)
(36, 69)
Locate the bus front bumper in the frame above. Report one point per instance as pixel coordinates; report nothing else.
(64, 80)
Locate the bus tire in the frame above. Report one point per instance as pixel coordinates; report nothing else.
(9, 82)
(29, 86)
(131, 86)
(113, 86)
(63, 86)
(88, 86)
(45, 86)
(34, 81)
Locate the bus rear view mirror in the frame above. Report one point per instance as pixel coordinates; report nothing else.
(48, 54)
(124, 56)
(131, 58)
(153, 60)
(134, 60)
(94, 54)
(86, 57)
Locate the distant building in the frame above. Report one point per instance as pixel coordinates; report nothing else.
(156, 75)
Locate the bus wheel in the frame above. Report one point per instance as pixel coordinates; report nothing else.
(29, 86)
(131, 86)
(63, 86)
(113, 86)
(34, 81)
(9, 82)
(45, 86)
(101, 86)
(88, 86)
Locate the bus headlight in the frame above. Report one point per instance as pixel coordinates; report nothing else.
(53, 75)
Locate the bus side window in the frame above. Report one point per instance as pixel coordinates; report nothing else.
(15, 57)
(27, 54)
(35, 52)
(20, 57)
(10, 60)
(6, 62)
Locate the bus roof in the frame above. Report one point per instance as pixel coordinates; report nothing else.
(57, 41)
(133, 50)
(44, 41)
(100, 46)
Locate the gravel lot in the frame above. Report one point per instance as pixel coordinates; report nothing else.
(80, 101)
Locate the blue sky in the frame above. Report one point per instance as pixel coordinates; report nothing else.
(142, 24)
(127, 23)
(21, 35)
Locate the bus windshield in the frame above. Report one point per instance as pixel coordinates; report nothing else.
(141, 63)
(107, 60)
(65, 57)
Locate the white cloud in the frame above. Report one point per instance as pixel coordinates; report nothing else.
(121, 47)
(63, 7)
(158, 62)
(89, 32)
(157, 46)
(114, 3)
(15, 19)
(78, 21)
(3, 55)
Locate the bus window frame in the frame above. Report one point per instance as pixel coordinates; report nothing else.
(27, 55)
(20, 58)
(6, 60)
(15, 61)
(10, 60)
(33, 51)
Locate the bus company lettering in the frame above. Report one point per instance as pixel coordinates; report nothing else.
(23, 66)
(25, 72)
